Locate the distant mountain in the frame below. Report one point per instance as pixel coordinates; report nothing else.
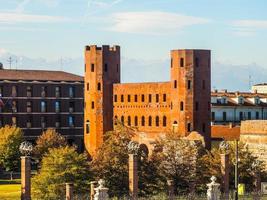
(224, 76)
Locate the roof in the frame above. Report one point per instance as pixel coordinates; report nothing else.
(260, 84)
(225, 132)
(38, 75)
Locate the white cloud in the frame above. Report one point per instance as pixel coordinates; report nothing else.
(248, 27)
(153, 22)
(102, 3)
(13, 17)
(2, 52)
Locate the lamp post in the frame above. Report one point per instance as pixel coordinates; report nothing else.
(236, 170)
(25, 150)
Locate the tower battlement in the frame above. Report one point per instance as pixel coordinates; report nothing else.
(113, 48)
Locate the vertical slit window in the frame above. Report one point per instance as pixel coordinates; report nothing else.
(181, 62)
(92, 67)
(143, 121)
(175, 84)
(149, 121)
(164, 121)
(136, 121)
(181, 106)
(129, 120)
(157, 120)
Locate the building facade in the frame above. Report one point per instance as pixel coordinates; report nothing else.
(181, 105)
(36, 100)
(234, 107)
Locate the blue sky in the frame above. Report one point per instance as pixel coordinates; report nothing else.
(235, 30)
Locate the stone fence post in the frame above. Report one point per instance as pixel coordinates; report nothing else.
(213, 192)
(101, 192)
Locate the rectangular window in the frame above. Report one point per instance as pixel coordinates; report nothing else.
(135, 98)
(43, 106)
(188, 127)
(115, 98)
(29, 122)
(164, 98)
(181, 62)
(29, 106)
(224, 116)
(249, 115)
(14, 121)
(43, 122)
(257, 115)
(71, 121)
(122, 98)
(129, 98)
(57, 106)
(57, 91)
(188, 84)
(240, 116)
(14, 106)
(175, 84)
(71, 106)
(87, 87)
(181, 106)
(14, 91)
(212, 116)
(157, 97)
(29, 91)
(92, 67)
(43, 91)
(72, 91)
(93, 105)
(143, 98)
(57, 124)
(150, 98)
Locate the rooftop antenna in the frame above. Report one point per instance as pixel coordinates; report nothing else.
(10, 61)
(249, 81)
(16, 63)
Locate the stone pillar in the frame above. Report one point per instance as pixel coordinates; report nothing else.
(69, 191)
(25, 178)
(101, 192)
(92, 189)
(170, 184)
(133, 176)
(225, 174)
(213, 192)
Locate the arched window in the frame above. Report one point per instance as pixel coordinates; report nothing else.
(164, 121)
(122, 119)
(181, 106)
(143, 121)
(157, 120)
(98, 86)
(87, 126)
(136, 121)
(149, 121)
(129, 120)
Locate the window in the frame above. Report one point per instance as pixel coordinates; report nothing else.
(57, 106)
(106, 67)
(122, 98)
(188, 127)
(164, 98)
(143, 98)
(157, 120)
(157, 97)
(87, 126)
(136, 121)
(29, 106)
(93, 105)
(57, 124)
(87, 86)
(99, 86)
(14, 91)
(115, 98)
(84, 67)
(71, 121)
(29, 91)
(43, 122)
(122, 119)
(212, 116)
(249, 115)
(196, 106)
(171, 62)
(188, 84)
(240, 116)
(1, 122)
(149, 121)
(57, 91)
(181, 62)
(203, 84)
(143, 121)
(181, 106)
(257, 115)
(72, 92)
(129, 120)
(14, 106)
(129, 98)
(1, 91)
(71, 106)
(196, 62)
(224, 116)
(43, 106)
(149, 98)
(203, 127)
(92, 67)
(14, 121)
(43, 91)
(175, 84)
(29, 122)
(116, 120)
(164, 121)
(135, 98)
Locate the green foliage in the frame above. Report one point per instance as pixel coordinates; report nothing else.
(10, 140)
(49, 139)
(59, 166)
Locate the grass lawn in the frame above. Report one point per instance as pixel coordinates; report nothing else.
(10, 190)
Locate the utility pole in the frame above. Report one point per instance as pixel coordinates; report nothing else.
(236, 170)
(10, 61)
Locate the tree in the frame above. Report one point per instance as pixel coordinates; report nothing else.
(10, 140)
(49, 139)
(59, 166)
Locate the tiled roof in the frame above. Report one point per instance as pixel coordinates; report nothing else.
(225, 132)
(38, 75)
(236, 94)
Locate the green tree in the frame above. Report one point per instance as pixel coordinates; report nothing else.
(59, 166)
(49, 139)
(10, 140)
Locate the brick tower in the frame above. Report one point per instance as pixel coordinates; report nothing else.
(190, 92)
(102, 70)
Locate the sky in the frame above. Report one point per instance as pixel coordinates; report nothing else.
(51, 34)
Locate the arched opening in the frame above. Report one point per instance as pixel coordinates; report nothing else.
(143, 121)
(164, 121)
(149, 121)
(157, 120)
(129, 120)
(122, 119)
